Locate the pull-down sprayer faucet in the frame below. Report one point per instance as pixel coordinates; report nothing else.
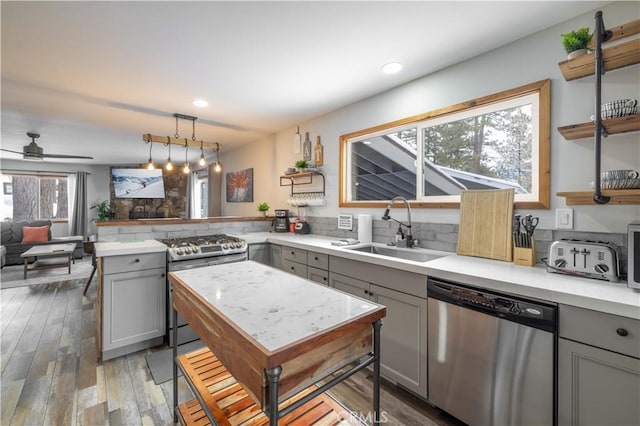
(409, 238)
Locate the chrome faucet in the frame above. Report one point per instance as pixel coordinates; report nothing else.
(407, 240)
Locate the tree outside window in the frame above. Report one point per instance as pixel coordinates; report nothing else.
(35, 197)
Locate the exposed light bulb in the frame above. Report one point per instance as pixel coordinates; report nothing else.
(202, 161)
(186, 168)
(150, 165)
(169, 166)
(217, 168)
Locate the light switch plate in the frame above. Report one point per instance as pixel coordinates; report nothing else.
(564, 218)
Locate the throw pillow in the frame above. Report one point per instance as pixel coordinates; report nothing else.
(35, 234)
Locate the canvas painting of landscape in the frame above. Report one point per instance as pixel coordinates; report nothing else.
(137, 183)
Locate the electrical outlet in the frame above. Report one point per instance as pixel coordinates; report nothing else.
(564, 218)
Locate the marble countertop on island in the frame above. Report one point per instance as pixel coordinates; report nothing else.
(274, 307)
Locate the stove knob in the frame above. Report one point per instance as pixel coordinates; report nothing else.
(601, 268)
(238, 245)
(179, 252)
(225, 246)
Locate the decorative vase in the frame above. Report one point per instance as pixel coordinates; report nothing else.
(576, 53)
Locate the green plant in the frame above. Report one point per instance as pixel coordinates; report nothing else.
(576, 40)
(302, 164)
(104, 210)
(263, 207)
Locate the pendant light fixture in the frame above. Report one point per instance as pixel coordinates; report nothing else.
(202, 161)
(150, 165)
(186, 169)
(218, 167)
(169, 165)
(176, 140)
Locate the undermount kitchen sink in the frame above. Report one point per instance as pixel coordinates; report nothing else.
(417, 255)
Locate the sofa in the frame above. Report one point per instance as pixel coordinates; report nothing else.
(11, 237)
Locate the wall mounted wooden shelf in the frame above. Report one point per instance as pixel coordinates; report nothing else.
(617, 56)
(612, 126)
(618, 196)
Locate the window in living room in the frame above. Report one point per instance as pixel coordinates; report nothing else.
(33, 197)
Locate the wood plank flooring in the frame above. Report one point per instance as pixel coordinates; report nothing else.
(49, 373)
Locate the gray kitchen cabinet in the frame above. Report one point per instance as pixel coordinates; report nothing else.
(260, 252)
(318, 275)
(132, 290)
(318, 267)
(294, 261)
(275, 255)
(598, 368)
(403, 336)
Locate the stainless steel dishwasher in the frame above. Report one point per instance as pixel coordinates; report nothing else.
(491, 356)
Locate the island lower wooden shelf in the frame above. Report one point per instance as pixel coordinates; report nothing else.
(230, 404)
(612, 126)
(618, 196)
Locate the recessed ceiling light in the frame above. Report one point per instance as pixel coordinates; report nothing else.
(391, 68)
(200, 103)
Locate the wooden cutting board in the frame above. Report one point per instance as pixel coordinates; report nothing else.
(486, 217)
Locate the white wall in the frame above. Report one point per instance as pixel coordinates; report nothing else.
(524, 61)
(97, 184)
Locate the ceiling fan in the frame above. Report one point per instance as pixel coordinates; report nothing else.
(35, 152)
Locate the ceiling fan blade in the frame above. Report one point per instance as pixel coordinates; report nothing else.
(8, 150)
(66, 156)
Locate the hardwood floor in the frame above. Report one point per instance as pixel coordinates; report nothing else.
(49, 373)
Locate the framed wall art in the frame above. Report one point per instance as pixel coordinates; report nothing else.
(240, 186)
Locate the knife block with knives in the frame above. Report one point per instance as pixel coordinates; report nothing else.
(524, 245)
(525, 256)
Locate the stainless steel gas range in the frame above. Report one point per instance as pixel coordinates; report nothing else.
(196, 252)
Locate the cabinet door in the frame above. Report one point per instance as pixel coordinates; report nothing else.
(596, 387)
(275, 252)
(260, 253)
(134, 307)
(294, 268)
(403, 338)
(349, 285)
(318, 275)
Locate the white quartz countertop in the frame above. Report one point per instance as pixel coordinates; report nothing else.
(104, 249)
(297, 310)
(535, 282)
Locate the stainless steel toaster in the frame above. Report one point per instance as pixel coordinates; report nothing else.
(590, 259)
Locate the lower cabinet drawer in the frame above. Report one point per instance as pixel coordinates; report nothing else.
(134, 262)
(295, 268)
(294, 254)
(318, 260)
(607, 331)
(318, 275)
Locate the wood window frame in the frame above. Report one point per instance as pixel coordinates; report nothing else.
(542, 88)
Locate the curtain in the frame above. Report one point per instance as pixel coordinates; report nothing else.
(188, 213)
(215, 191)
(78, 224)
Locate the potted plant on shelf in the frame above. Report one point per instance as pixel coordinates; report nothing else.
(302, 165)
(576, 43)
(104, 210)
(263, 207)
